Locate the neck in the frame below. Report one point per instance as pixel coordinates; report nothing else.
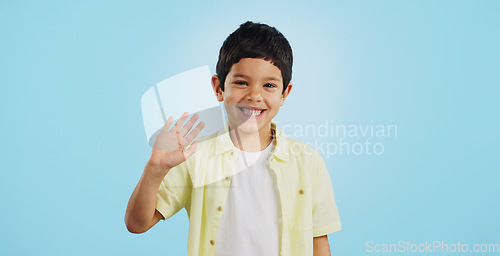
(251, 142)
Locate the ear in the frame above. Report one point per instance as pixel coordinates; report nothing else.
(285, 93)
(216, 88)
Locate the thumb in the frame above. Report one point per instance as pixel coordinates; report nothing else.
(191, 149)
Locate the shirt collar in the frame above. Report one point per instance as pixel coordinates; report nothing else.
(224, 144)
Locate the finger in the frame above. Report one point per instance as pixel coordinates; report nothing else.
(190, 137)
(169, 121)
(191, 149)
(185, 129)
(179, 122)
(167, 124)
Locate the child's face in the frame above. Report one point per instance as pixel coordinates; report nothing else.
(252, 95)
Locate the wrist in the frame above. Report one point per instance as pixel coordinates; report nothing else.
(155, 170)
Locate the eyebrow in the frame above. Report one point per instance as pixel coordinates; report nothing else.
(269, 78)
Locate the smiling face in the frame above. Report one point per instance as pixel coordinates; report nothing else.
(252, 95)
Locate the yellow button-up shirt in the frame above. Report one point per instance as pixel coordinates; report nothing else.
(201, 185)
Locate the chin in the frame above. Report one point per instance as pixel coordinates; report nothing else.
(249, 126)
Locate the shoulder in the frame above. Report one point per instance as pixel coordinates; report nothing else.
(206, 143)
(203, 165)
(301, 157)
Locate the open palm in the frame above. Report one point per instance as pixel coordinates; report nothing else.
(174, 146)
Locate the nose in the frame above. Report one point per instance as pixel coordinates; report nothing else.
(255, 93)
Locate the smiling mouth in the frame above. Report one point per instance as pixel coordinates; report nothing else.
(252, 112)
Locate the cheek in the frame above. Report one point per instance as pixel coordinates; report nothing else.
(231, 97)
(274, 102)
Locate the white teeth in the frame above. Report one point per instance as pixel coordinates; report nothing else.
(251, 112)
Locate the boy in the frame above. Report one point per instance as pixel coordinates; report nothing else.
(248, 189)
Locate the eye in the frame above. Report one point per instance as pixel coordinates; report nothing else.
(270, 85)
(240, 82)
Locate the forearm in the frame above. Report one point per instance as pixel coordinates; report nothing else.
(321, 246)
(140, 214)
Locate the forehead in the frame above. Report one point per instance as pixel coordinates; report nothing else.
(251, 68)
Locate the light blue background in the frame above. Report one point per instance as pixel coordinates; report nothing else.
(73, 143)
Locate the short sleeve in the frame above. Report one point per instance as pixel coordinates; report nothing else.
(325, 213)
(174, 192)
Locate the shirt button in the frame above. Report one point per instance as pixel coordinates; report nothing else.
(212, 242)
(232, 153)
(227, 178)
(301, 191)
(219, 208)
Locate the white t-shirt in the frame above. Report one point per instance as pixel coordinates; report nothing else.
(251, 219)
